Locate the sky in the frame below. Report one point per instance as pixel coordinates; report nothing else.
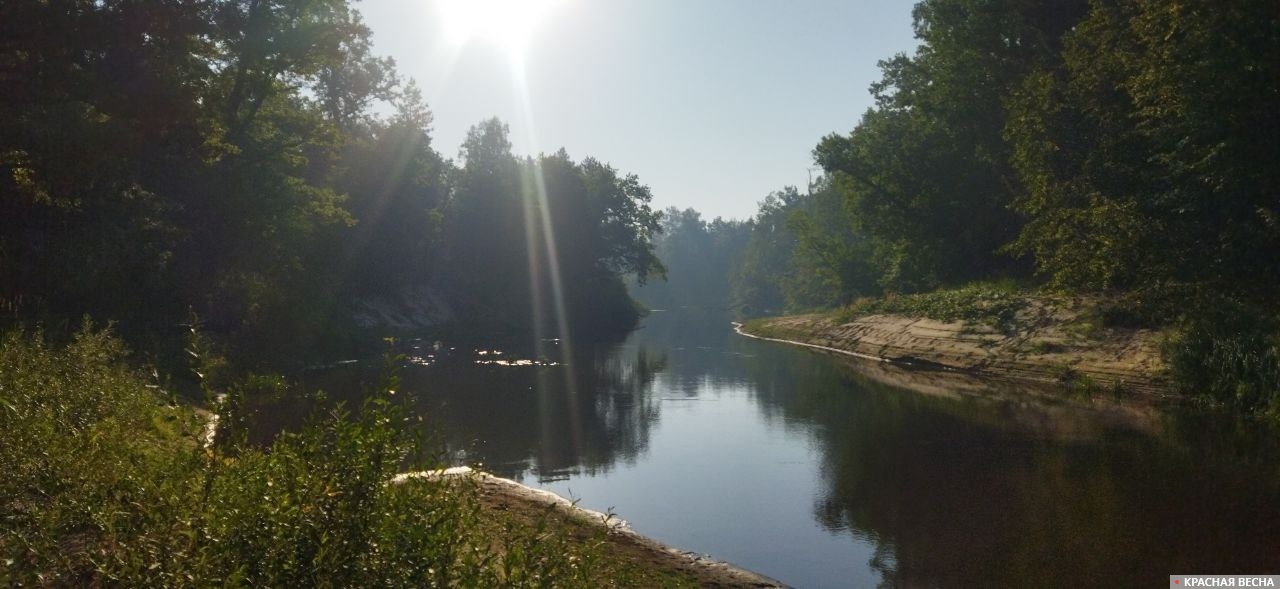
(712, 103)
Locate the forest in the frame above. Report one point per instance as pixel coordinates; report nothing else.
(255, 168)
(1115, 149)
(252, 167)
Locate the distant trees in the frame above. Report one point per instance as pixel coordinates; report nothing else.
(699, 257)
(803, 253)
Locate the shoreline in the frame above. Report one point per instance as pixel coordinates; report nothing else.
(502, 494)
(1126, 363)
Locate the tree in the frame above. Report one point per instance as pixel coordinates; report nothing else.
(832, 263)
(766, 262)
(487, 231)
(1150, 157)
(396, 186)
(927, 171)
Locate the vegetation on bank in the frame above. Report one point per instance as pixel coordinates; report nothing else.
(992, 304)
(1222, 352)
(257, 164)
(109, 482)
(1119, 151)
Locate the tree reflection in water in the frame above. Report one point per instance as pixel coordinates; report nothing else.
(942, 489)
(965, 491)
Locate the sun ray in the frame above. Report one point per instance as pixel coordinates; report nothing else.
(507, 23)
(537, 205)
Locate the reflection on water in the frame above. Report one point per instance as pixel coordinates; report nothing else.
(825, 472)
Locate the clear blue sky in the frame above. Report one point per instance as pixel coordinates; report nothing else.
(713, 103)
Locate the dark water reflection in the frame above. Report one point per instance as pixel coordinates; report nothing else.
(818, 472)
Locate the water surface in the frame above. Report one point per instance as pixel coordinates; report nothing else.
(813, 470)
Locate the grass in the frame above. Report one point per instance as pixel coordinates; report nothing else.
(1042, 347)
(994, 304)
(1228, 353)
(765, 328)
(107, 483)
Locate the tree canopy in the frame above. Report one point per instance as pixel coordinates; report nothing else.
(224, 157)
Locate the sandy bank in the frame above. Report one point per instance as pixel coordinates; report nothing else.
(1044, 347)
(528, 504)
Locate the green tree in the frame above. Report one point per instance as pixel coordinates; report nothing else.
(832, 263)
(488, 239)
(530, 239)
(766, 261)
(1150, 157)
(927, 171)
(396, 186)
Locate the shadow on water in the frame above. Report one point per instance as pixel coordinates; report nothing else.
(947, 484)
(970, 491)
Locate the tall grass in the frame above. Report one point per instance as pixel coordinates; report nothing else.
(994, 304)
(1228, 353)
(106, 483)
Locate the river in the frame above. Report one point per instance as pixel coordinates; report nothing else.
(815, 470)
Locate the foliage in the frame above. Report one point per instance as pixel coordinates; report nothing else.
(995, 304)
(397, 187)
(759, 278)
(1228, 352)
(533, 239)
(223, 157)
(698, 256)
(1122, 149)
(802, 253)
(108, 484)
(832, 261)
(1149, 156)
(926, 173)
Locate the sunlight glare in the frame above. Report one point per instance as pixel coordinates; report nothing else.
(507, 23)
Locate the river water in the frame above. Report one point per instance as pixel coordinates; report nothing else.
(817, 471)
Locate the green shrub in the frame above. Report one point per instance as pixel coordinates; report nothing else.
(1228, 352)
(105, 483)
(94, 463)
(990, 303)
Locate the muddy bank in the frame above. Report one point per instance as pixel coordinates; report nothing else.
(527, 504)
(1043, 348)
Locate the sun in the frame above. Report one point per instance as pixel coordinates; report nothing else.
(506, 23)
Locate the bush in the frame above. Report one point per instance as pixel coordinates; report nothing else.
(1228, 352)
(106, 483)
(995, 304)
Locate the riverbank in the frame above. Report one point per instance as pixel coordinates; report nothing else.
(111, 480)
(1056, 342)
(655, 563)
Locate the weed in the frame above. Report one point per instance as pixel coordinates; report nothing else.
(107, 484)
(1042, 347)
(991, 304)
(1228, 353)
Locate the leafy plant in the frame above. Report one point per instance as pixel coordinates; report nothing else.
(1228, 352)
(105, 483)
(994, 304)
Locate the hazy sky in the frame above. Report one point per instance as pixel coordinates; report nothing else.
(713, 103)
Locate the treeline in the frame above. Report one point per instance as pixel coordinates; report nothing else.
(225, 159)
(799, 252)
(1110, 145)
(1121, 149)
(699, 256)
